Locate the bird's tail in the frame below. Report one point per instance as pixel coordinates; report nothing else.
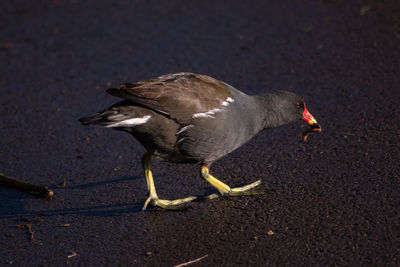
(96, 118)
(120, 115)
(114, 118)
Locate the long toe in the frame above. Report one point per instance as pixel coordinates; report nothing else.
(244, 190)
(169, 204)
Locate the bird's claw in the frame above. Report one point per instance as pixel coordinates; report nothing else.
(167, 204)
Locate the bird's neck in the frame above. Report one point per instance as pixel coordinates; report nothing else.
(268, 106)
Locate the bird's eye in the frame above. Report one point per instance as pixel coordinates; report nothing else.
(297, 105)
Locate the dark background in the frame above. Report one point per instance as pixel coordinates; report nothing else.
(332, 200)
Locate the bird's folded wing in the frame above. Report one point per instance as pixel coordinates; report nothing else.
(178, 95)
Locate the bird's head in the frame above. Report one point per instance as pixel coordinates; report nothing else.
(292, 107)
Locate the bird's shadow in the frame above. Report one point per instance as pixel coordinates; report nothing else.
(12, 202)
(100, 210)
(99, 183)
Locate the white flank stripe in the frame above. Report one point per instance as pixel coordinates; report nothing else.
(184, 128)
(230, 99)
(208, 114)
(131, 122)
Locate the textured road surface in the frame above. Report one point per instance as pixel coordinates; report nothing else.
(334, 200)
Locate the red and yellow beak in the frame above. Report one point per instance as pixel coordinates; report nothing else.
(315, 127)
(307, 117)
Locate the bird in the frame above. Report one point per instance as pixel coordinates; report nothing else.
(193, 118)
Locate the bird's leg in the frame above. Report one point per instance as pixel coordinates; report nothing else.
(152, 194)
(224, 189)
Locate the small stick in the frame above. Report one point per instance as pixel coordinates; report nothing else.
(315, 129)
(42, 191)
(28, 226)
(192, 261)
(73, 254)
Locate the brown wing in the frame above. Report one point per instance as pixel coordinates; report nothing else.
(178, 95)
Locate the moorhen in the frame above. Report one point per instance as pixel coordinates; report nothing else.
(194, 118)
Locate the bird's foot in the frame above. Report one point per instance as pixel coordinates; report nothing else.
(244, 190)
(225, 190)
(239, 191)
(167, 204)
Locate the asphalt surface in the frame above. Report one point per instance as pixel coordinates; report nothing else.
(334, 200)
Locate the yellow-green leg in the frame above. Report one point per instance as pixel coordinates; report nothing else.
(224, 189)
(153, 198)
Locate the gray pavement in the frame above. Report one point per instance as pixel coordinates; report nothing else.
(334, 200)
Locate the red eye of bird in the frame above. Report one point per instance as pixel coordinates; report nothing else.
(297, 105)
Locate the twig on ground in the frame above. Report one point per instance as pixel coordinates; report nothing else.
(28, 226)
(312, 129)
(73, 254)
(42, 191)
(192, 261)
